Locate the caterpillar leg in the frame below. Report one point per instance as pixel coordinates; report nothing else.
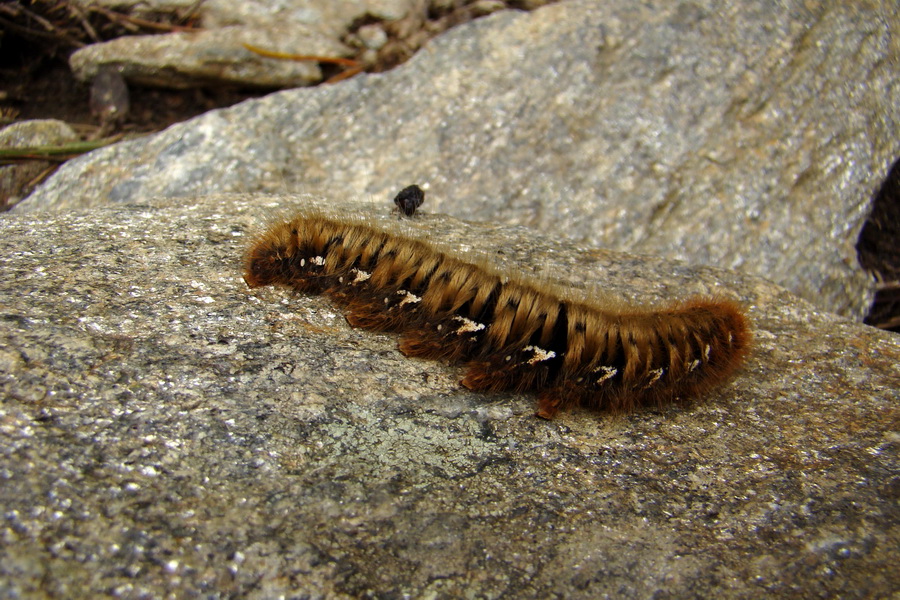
(451, 338)
(527, 369)
(549, 402)
(559, 397)
(371, 315)
(488, 377)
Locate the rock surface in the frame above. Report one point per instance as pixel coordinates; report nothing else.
(181, 60)
(216, 54)
(751, 138)
(168, 432)
(18, 180)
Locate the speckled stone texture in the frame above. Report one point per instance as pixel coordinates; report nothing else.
(751, 136)
(169, 433)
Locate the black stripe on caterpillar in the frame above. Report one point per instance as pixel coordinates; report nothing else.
(512, 333)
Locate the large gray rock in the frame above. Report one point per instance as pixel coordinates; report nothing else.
(168, 432)
(747, 138)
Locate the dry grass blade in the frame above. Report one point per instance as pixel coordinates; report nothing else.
(353, 66)
(60, 153)
(346, 62)
(19, 13)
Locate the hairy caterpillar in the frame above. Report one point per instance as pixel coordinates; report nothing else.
(511, 333)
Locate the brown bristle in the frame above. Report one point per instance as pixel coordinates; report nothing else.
(511, 333)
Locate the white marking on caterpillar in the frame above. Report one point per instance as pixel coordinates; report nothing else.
(657, 374)
(317, 260)
(608, 373)
(360, 275)
(468, 325)
(409, 297)
(539, 354)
